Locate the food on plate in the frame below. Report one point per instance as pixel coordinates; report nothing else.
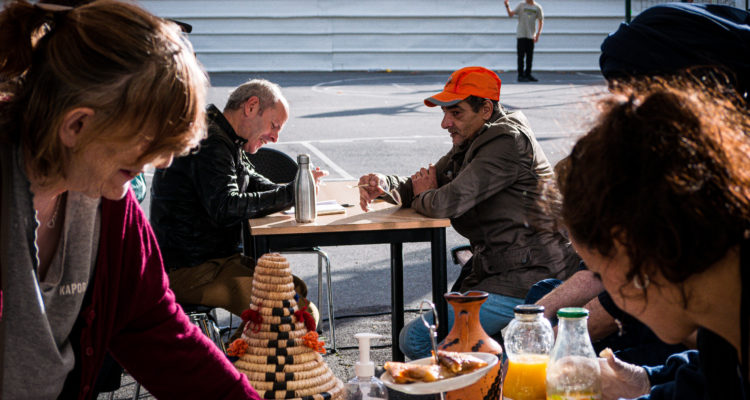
(460, 363)
(409, 373)
(450, 364)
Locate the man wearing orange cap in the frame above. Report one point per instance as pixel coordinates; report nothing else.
(490, 185)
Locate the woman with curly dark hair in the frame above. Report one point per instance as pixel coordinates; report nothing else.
(656, 197)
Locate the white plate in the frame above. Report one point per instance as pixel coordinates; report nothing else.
(442, 385)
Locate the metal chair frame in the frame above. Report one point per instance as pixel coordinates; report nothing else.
(205, 318)
(278, 167)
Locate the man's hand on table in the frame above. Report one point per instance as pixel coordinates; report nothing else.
(424, 179)
(375, 186)
(620, 379)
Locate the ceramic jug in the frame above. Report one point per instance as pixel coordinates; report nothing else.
(467, 335)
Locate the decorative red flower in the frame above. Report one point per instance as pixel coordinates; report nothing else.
(310, 339)
(304, 316)
(253, 318)
(237, 348)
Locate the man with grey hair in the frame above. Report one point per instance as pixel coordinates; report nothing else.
(199, 203)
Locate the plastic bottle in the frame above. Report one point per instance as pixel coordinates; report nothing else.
(304, 191)
(573, 370)
(528, 341)
(365, 386)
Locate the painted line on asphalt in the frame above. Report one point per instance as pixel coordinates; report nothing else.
(547, 135)
(371, 138)
(327, 160)
(342, 87)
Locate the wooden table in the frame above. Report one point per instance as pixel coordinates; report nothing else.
(385, 224)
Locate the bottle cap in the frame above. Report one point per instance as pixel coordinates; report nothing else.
(364, 368)
(528, 309)
(303, 158)
(572, 312)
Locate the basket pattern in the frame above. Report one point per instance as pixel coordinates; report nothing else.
(276, 362)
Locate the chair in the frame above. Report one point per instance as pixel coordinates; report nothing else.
(454, 253)
(280, 168)
(205, 318)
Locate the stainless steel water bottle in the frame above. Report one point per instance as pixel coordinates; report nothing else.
(304, 191)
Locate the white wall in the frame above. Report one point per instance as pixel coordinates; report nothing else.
(350, 35)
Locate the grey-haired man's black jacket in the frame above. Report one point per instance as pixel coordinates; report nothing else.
(199, 203)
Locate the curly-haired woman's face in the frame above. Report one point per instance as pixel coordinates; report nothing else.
(657, 304)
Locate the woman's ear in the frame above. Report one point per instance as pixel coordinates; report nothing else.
(619, 237)
(74, 122)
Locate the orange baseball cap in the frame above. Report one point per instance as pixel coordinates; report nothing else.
(465, 82)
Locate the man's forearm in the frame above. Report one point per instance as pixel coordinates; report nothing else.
(600, 323)
(576, 291)
(260, 204)
(403, 185)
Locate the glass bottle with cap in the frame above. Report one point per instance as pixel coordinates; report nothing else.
(528, 342)
(573, 370)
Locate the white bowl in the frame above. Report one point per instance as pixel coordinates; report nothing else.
(441, 385)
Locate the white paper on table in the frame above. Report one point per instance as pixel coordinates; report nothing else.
(324, 207)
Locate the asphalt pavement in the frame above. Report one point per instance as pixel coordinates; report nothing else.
(352, 123)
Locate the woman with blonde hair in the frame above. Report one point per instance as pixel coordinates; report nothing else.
(656, 197)
(90, 95)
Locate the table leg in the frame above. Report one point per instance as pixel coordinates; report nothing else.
(439, 280)
(397, 298)
(260, 247)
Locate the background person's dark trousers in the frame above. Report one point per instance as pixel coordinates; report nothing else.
(525, 48)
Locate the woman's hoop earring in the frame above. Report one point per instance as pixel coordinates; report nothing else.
(641, 285)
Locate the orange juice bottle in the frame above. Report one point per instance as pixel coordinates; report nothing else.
(528, 341)
(526, 377)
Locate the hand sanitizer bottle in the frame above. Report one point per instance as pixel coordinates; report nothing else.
(365, 386)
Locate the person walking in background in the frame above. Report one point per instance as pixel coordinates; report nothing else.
(528, 11)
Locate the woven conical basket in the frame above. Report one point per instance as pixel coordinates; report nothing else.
(277, 363)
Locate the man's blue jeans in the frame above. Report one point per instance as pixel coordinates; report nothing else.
(495, 314)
